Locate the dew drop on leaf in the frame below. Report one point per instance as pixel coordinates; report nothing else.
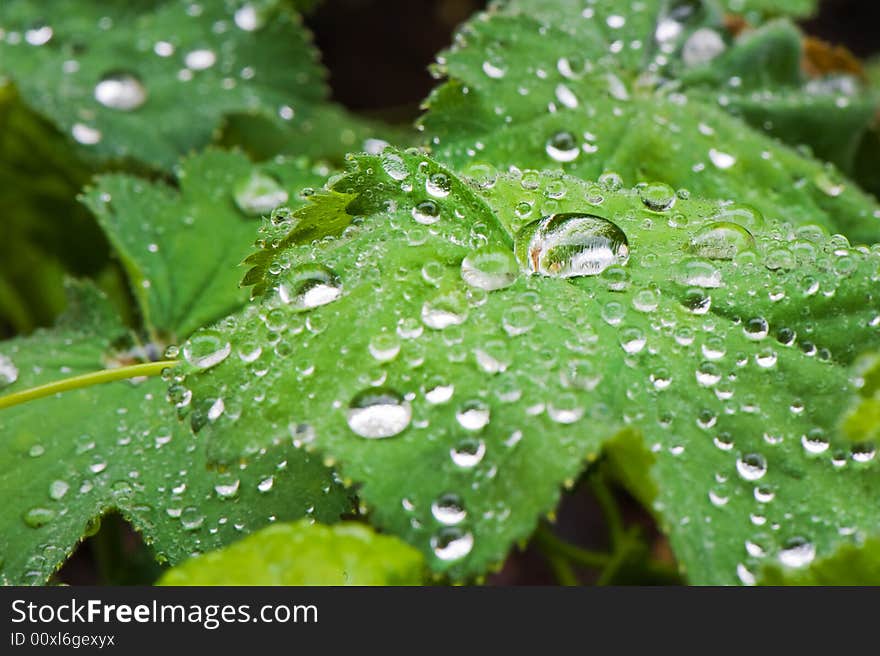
(446, 310)
(468, 453)
(205, 349)
(797, 552)
(120, 90)
(490, 268)
(657, 196)
(571, 244)
(199, 60)
(751, 467)
(449, 510)
(473, 415)
(451, 543)
(562, 147)
(8, 371)
(721, 241)
(37, 517)
(259, 194)
(426, 212)
(378, 413)
(309, 286)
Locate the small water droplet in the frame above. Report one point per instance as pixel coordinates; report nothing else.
(309, 286)
(58, 489)
(445, 310)
(37, 517)
(207, 348)
(468, 454)
(199, 60)
(8, 371)
(449, 510)
(657, 196)
(562, 147)
(452, 543)
(378, 413)
(120, 90)
(490, 268)
(751, 467)
(259, 194)
(797, 552)
(473, 415)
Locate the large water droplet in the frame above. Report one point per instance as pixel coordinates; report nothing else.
(473, 415)
(309, 286)
(468, 454)
(121, 90)
(490, 268)
(751, 467)
(206, 349)
(702, 46)
(249, 17)
(571, 244)
(378, 413)
(445, 310)
(259, 194)
(721, 241)
(657, 196)
(37, 517)
(199, 60)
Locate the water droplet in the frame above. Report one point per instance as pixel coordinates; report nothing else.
(199, 60)
(191, 518)
(38, 35)
(445, 310)
(8, 371)
(58, 489)
(468, 454)
(701, 47)
(205, 349)
(473, 415)
(259, 194)
(493, 71)
(797, 552)
(384, 346)
(489, 268)
(562, 147)
(438, 185)
(378, 413)
(721, 160)
(266, 484)
(309, 286)
(657, 196)
(249, 17)
(449, 510)
(721, 241)
(452, 543)
(756, 328)
(426, 212)
(84, 134)
(572, 244)
(439, 392)
(394, 166)
(227, 490)
(37, 517)
(751, 467)
(121, 90)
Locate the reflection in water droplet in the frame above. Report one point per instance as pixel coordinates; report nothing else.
(562, 147)
(570, 245)
(797, 552)
(309, 286)
(449, 510)
(121, 90)
(259, 194)
(489, 268)
(205, 349)
(473, 415)
(378, 413)
(452, 544)
(721, 241)
(469, 453)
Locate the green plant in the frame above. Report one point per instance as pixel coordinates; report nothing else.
(630, 250)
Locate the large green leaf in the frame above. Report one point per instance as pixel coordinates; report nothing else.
(182, 248)
(305, 554)
(634, 89)
(723, 341)
(68, 459)
(151, 80)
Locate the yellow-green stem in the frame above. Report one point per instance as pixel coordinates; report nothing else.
(85, 380)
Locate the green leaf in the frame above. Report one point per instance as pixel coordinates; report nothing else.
(850, 565)
(182, 248)
(758, 8)
(151, 80)
(723, 341)
(545, 85)
(68, 459)
(305, 553)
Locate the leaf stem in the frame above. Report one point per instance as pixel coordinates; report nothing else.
(550, 543)
(608, 504)
(85, 380)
